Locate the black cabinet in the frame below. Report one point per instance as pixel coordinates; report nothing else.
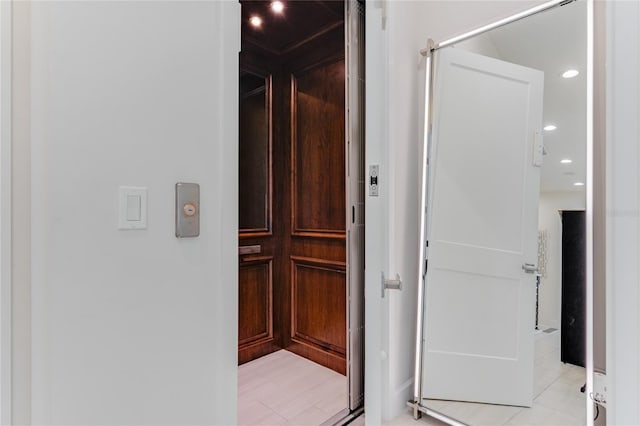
(574, 299)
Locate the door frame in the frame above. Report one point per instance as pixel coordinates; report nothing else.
(354, 143)
(6, 242)
(354, 14)
(416, 402)
(377, 214)
(617, 133)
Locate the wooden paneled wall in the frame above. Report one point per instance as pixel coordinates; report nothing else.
(293, 292)
(258, 333)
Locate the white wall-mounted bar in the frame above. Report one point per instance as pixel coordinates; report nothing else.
(431, 47)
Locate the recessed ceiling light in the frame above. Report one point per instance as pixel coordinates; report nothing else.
(256, 21)
(550, 127)
(277, 6)
(566, 161)
(570, 73)
(578, 184)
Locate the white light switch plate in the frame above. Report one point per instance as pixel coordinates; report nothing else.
(132, 209)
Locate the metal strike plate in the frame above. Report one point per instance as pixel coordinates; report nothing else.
(374, 172)
(187, 210)
(391, 284)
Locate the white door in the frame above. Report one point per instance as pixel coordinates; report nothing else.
(482, 230)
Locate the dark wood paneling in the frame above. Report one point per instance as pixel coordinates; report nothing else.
(317, 140)
(317, 64)
(258, 328)
(255, 174)
(301, 22)
(255, 313)
(318, 315)
(255, 282)
(328, 47)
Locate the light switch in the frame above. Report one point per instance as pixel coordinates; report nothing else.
(133, 207)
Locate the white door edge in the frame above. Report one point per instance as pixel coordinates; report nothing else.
(376, 215)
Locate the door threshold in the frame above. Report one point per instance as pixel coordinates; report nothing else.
(344, 417)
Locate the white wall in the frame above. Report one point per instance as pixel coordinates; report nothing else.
(549, 219)
(125, 93)
(482, 45)
(133, 327)
(623, 212)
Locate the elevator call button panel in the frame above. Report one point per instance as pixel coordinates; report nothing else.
(187, 210)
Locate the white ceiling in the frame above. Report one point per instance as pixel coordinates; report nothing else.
(553, 42)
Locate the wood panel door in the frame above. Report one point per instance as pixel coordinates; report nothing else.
(318, 214)
(257, 334)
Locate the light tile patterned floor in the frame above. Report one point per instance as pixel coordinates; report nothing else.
(558, 400)
(561, 404)
(403, 420)
(285, 389)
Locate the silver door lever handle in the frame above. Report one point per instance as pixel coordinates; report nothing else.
(529, 268)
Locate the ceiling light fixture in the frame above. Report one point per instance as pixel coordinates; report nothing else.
(578, 184)
(566, 161)
(570, 73)
(277, 6)
(550, 127)
(255, 21)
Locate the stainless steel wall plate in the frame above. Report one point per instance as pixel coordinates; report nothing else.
(187, 210)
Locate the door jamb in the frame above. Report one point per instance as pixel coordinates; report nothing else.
(354, 193)
(6, 82)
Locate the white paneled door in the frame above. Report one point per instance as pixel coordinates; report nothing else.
(484, 184)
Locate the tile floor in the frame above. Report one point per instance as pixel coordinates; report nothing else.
(404, 420)
(285, 389)
(558, 400)
(558, 405)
